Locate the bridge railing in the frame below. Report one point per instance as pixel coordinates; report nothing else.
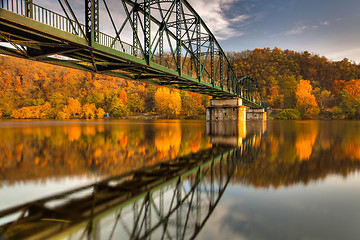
(111, 42)
(43, 15)
(53, 19)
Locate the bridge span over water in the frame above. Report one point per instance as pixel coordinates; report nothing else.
(159, 41)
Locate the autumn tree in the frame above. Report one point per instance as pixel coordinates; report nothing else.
(190, 107)
(34, 112)
(324, 98)
(273, 97)
(88, 111)
(118, 108)
(168, 103)
(135, 103)
(306, 102)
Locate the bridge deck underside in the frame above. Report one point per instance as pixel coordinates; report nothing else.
(37, 41)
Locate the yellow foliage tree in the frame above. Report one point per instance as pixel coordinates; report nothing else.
(74, 107)
(34, 112)
(100, 113)
(88, 111)
(306, 102)
(168, 103)
(71, 110)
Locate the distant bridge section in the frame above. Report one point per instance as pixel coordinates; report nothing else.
(159, 41)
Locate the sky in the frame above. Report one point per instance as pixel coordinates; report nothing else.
(329, 28)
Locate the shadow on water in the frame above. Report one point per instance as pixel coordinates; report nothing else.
(171, 200)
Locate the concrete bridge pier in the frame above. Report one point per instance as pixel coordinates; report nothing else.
(256, 114)
(232, 110)
(226, 109)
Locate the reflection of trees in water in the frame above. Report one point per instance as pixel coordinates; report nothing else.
(34, 153)
(168, 200)
(299, 152)
(305, 139)
(167, 139)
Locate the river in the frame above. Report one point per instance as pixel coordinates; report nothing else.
(178, 179)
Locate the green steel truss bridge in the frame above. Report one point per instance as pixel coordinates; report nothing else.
(159, 41)
(171, 200)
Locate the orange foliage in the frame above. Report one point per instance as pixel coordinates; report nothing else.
(123, 97)
(34, 112)
(195, 143)
(306, 102)
(305, 141)
(74, 133)
(168, 103)
(168, 139)
(352, 150)
(88, 111)
(273, 95)
(353, 87)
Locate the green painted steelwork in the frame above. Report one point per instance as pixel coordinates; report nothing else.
(171, 45)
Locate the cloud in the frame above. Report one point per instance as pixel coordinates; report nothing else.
(240, 18)
(297, 30)
(301, 27)
(351, 53)
(213, 14)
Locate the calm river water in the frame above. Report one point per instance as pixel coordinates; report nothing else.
(254, 180)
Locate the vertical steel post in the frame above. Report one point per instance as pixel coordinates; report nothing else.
(161, 47)
(135, 31)
(198, 49)
(221, 71)
(212, 52)
(92, 20)
(29, 8)
(247, 89)
(178, 37)
(147, 32)
(228, 79)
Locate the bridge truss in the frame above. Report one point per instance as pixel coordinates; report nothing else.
(170, 43)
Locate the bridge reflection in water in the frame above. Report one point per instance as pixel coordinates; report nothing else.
(171, 200)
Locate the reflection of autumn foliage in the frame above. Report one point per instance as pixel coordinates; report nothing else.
(75, 148)
(305, 140)
(168, 139)
(353, 150)
(328, 148)
(195, 144)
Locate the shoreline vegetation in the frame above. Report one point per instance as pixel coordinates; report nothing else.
(293, 86)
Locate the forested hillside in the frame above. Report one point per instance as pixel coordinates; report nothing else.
(305, 82)
(302, 84)
(30, 89)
